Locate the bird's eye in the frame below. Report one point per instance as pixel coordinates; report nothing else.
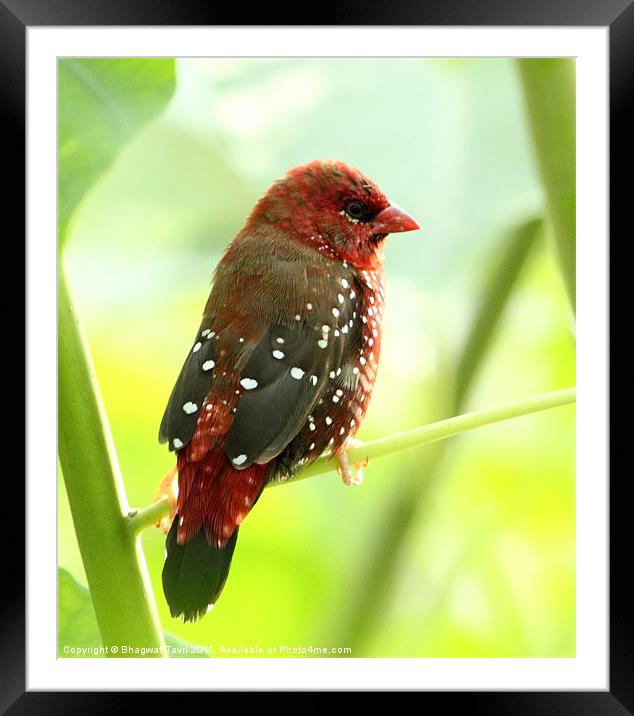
(357, 210)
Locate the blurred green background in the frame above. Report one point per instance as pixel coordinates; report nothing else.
(461, 549)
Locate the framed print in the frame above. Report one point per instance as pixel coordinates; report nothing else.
(164, 148)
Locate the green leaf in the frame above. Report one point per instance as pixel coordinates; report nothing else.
(77, 624)
(550, 95)
(102, 104)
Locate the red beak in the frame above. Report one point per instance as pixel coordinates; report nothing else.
(392, 220)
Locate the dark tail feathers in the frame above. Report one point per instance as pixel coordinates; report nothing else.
(194, 573)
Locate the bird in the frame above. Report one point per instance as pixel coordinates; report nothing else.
(282, 367)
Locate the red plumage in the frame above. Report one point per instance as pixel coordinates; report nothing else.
(284, 362)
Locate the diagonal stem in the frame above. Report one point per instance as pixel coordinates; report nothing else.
(423, 435)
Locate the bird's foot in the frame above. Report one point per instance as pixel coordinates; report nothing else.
(354, 477)
(168, 489)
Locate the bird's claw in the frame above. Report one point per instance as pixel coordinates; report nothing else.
(168, 489)
(354, 477)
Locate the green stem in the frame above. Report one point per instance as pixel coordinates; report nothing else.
(147, 517)
(400, 441)
(550, 93)
(115, 568)
(503, 276)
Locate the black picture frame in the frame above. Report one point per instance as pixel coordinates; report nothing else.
(618, 15)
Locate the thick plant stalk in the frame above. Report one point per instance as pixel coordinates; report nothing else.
(112, 556)
(550, 95)
(401, 441)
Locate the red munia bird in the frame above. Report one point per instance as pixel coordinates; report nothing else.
(283, 364)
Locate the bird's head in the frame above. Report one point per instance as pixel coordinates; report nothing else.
(336, 209)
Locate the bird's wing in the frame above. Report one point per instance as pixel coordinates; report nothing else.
(262, 389)
(193, 384)
(284, 378)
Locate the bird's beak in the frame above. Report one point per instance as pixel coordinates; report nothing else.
(392, 220)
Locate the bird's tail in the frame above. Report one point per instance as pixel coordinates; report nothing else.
(213, 499)
(195, 573)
